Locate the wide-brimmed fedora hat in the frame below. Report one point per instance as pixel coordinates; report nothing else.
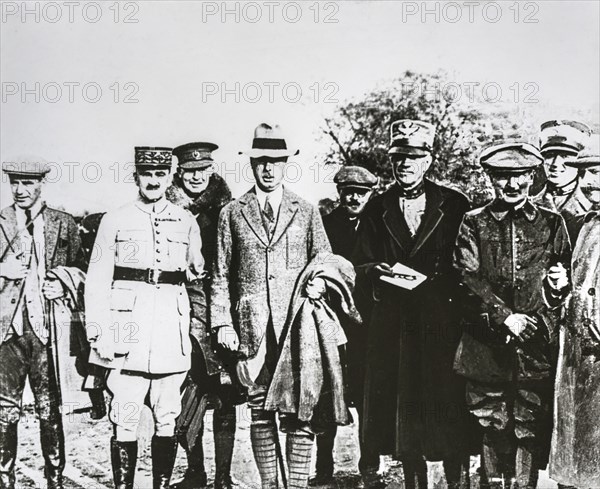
(269, 142)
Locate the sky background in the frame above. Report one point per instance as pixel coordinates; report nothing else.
(177, 49)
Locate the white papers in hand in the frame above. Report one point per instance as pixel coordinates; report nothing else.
(404, 277)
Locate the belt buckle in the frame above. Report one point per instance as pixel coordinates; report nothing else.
(153, 275)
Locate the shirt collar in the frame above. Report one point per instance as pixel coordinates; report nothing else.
(593, 214)
(499, 210)
(35, 209)
(275, 197)
(563, 191)
(151, 207)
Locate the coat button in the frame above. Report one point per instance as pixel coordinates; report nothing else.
(271, 277)
(18, 281)
(518, 267)
(13, 301)
(592, 291)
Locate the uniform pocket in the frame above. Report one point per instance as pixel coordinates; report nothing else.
(178, 246)
(122, 299)
(130, 246)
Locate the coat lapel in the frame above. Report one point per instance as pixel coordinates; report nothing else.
(287, 211)
(51, 232)
(394, 219)
(8, 222)
(251, 212)
(432, 217)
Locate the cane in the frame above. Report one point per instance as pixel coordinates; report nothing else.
(53, 341)
(244, 378)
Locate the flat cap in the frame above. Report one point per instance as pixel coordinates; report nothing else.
(588, 156)
(511, 157)
(411, 137)
(355, 176)
(195, 156)
(32, 167)
(153, 156)
(564, 135)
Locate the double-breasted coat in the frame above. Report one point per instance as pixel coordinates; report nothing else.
(254, 277)
(575, 455)
(147, 322)
(414, 403)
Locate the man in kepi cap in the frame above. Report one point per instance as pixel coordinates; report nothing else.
(138, 313)
(355, 187)
(265, 240)
(507, 353)
(559, 141)
(574, 460)
(34, 239)
(199, 189)
(413, 334)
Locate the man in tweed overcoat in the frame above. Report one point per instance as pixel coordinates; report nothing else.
(265, 240)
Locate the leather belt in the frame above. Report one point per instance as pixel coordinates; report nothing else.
(149, 275)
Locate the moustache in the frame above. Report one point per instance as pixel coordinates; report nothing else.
(152, 187)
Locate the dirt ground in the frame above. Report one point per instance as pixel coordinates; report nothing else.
(88, 458)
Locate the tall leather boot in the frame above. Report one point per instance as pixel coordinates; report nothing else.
(195, 475)
(224, 433)
(325, 443)
(8, 455)
(123, 455)
(298, 451)
(415, 473)
(457, 474)
(262, 436)
(164, 451)
(52, 441)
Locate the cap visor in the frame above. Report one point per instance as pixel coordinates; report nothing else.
(196, 165)
(584, 162)
(408, 150)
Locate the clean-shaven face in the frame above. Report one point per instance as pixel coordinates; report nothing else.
(195, 181)
(511, 187)
(557, 173)
(26, 191)
(409, 171)
(152, 183)
(268, 172)
(354, 199)
(589, 182)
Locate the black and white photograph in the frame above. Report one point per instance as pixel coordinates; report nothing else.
(347, 244)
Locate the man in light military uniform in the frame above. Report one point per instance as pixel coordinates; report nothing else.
(138, 313)
(559, 141)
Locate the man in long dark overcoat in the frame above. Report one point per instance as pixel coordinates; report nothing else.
(197, 188)
(355, 186)
(414, 404)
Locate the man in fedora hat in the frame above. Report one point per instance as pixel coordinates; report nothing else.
(412, 334)
(502, 253)
(34, 239)
(138, 313)
(199, 189)
(355, 187)
(559, 141)
(574, 460)
(265, 239)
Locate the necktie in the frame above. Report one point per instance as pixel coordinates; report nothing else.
(29, 221)
(269, 217)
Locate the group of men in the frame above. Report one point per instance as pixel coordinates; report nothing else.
(196, 300)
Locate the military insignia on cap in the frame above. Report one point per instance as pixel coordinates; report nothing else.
(195, 156)
(153, 156)
(411, 137)
(564, 135)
